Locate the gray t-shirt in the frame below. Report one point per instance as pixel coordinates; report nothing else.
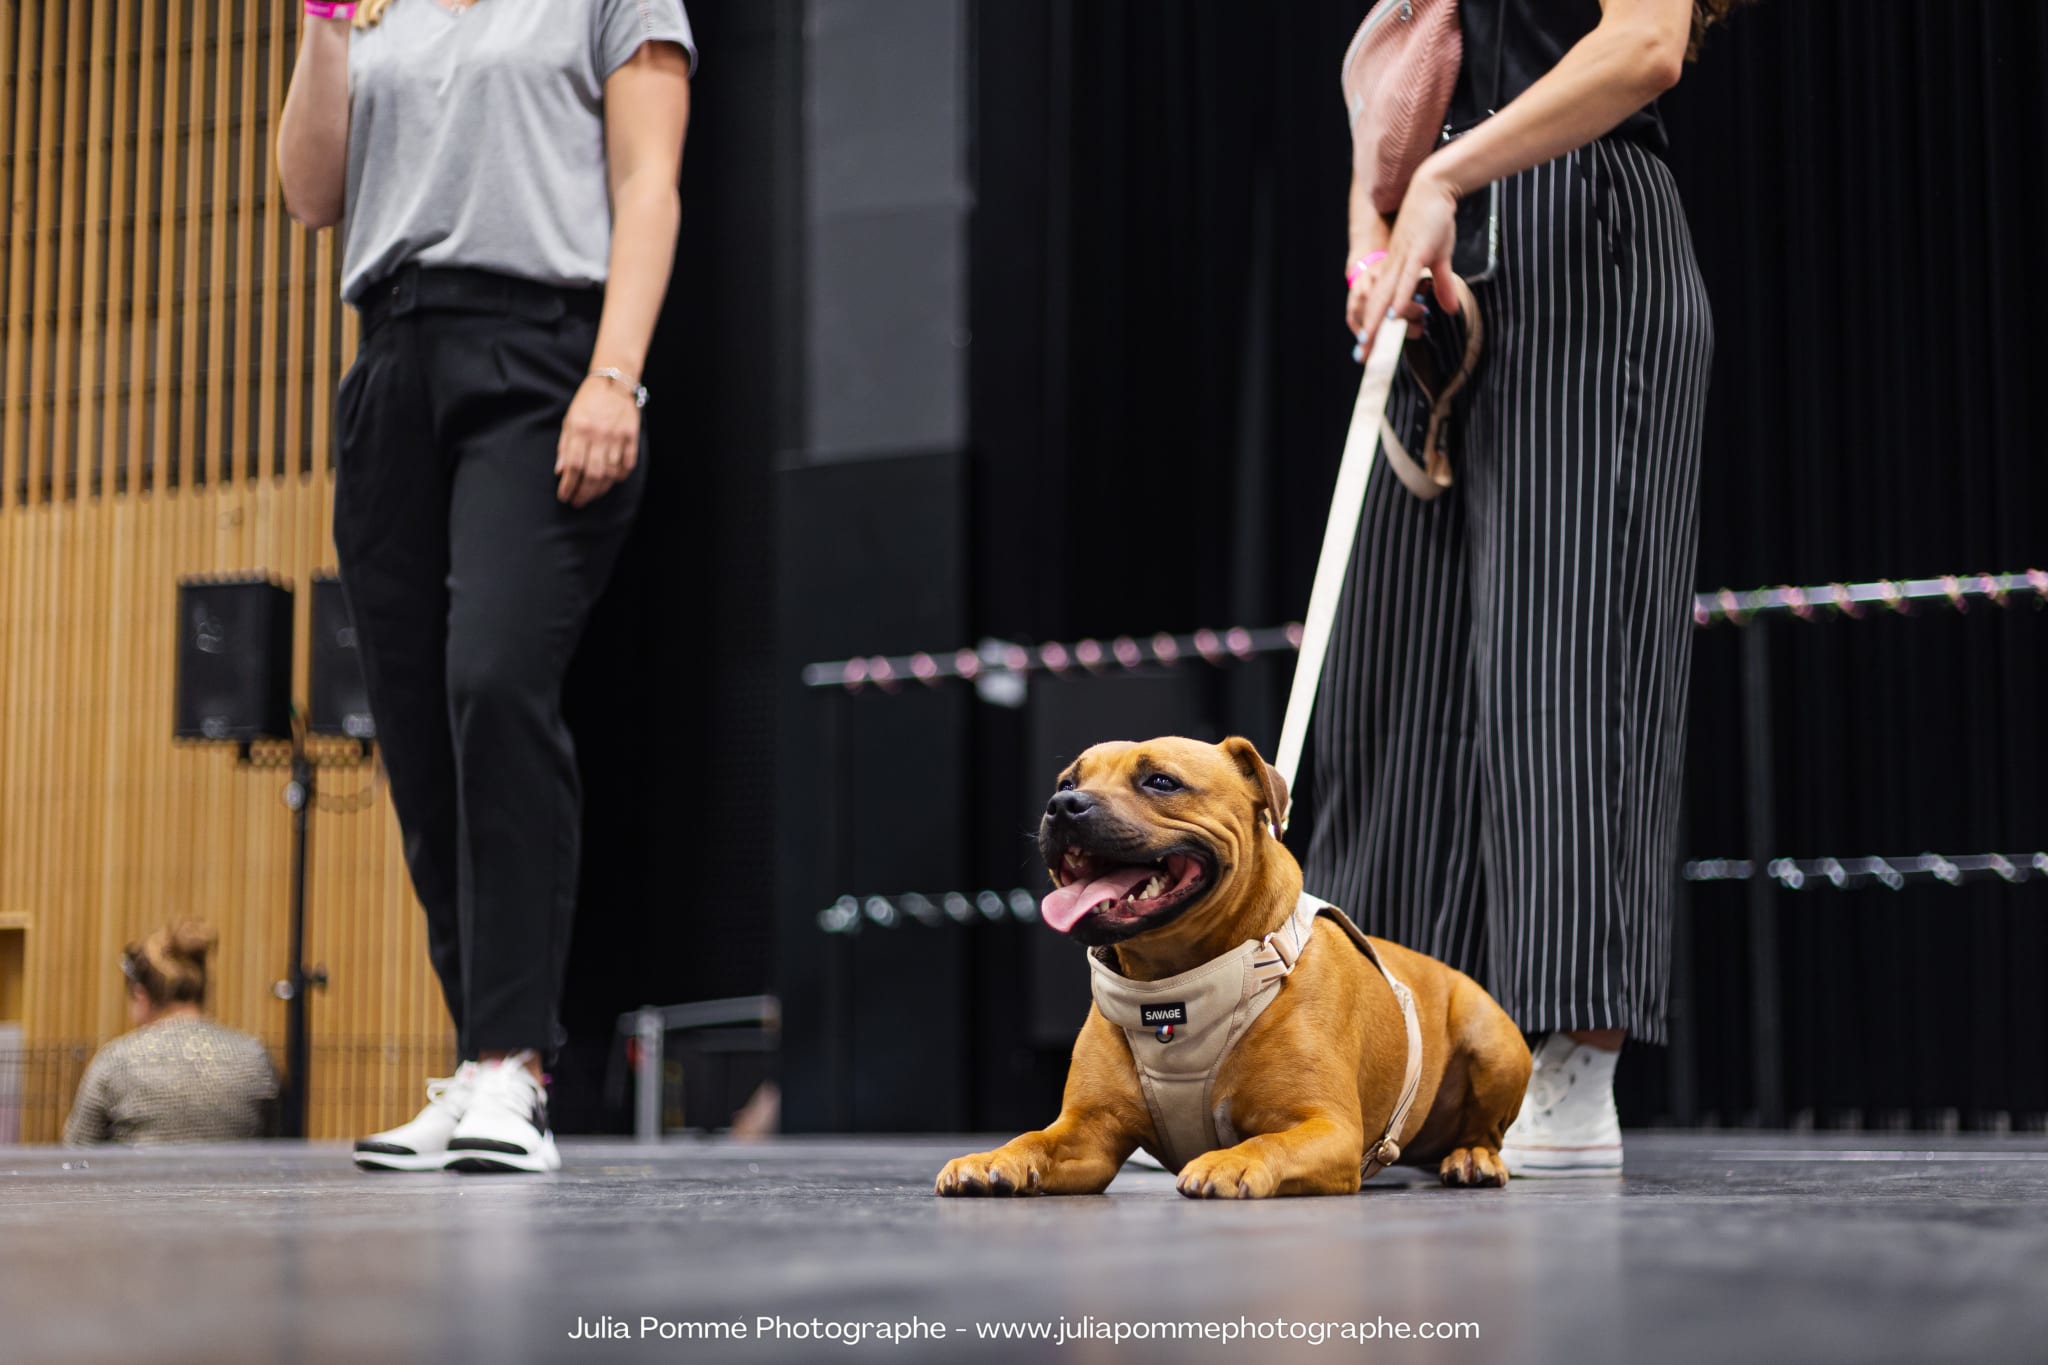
(476, 137)
(181, 1079)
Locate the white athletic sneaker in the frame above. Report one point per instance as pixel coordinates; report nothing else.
(422, 1144)
(506, 1125)
(1567, 1126)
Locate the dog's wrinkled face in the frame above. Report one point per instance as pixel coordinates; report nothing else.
(1139, 835)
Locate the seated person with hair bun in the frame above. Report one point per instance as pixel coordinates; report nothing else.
(178, 1076)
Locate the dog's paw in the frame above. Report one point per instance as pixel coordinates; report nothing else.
(1228, 1174)
(1474, 1166)
(1001, 1172)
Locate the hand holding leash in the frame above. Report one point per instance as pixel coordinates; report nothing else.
(1425, 234)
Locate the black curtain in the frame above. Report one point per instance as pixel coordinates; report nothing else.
(1161, 383)
(672, 697)
(1157, 343)
(1863, 184)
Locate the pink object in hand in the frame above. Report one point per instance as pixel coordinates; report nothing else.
(1361, 265)
(1398, 76)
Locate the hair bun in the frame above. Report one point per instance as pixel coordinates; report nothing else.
(192, 940)
(170, 964)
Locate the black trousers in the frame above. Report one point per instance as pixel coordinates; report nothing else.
(470, 585)
(1499, 739)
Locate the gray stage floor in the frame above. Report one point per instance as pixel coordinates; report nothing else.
(1714, 1248)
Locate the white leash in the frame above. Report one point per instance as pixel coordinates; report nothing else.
(1361, 444)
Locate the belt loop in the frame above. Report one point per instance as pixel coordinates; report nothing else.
(403, 292)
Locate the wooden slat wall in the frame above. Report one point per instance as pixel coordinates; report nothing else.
(167, 372)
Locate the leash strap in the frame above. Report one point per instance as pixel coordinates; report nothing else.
(1346, 505)
(1432, 475)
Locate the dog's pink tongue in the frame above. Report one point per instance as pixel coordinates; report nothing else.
(1065, 906)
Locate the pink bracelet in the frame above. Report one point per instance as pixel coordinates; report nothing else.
(1360, 266)
(331, 9)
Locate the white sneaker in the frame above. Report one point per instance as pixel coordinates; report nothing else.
(506, 1125)
(422, 1145)
(1568, 1126)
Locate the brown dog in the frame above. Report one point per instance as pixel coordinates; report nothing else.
(1164, 859)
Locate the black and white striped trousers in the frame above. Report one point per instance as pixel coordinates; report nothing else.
(1499, 738)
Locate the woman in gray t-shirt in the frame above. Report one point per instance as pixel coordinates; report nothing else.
(504, 176)
(178, 1076)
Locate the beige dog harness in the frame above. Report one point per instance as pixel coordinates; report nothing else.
(1181, 1028)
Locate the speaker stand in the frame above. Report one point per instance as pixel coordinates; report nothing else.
(299, 979)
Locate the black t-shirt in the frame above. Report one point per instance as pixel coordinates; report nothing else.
(1529, 39)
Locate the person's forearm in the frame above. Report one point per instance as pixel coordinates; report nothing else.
(646, 211)
(1608, 75)
(312, 136)
(1368, 230)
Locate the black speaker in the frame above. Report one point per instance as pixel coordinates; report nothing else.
(234, 659)
(340, 698)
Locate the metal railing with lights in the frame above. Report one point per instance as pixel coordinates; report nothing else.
(1853, 600)
(1240, 644)
(938, 909)
(889, 672)
(1800, 874)
(849, 913)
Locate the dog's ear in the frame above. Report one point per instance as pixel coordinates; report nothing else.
(1270, 786)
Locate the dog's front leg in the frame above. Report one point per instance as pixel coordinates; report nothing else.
(1073, 1156)
(1318, 1155)
(1102, 1120)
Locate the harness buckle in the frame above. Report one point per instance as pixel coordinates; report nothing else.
(1281, 944)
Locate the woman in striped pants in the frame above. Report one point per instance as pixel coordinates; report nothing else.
(1500, 734)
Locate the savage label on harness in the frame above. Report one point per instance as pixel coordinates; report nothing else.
(1175, 1012)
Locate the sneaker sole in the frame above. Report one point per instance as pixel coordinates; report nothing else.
(500, 1163)
(497, 1161)
(1560, 1167)
(390, 1161)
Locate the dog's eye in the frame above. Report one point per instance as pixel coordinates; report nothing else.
(1160, 782)
(1066, 784)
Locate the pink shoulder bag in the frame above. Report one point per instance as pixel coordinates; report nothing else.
(1398, 76)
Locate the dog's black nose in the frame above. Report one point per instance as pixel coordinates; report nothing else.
(1069, 805)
